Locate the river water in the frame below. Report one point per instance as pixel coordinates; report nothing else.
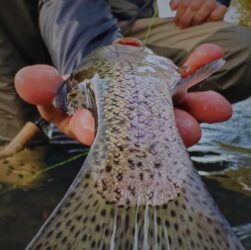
(223, 158)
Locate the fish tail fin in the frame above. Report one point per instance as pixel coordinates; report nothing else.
(198, 76)
(85, 220)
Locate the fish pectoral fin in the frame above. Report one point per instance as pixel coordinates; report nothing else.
(198, 76)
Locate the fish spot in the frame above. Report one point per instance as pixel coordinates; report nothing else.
(93, 244)
(107, 232)
(49, 234)
(199, 236)
(68, 223)
(180, 241)
(131, 163)
(167, 223)
(192, 243)
(97, 228)
(158, 220)
(169, 240)
(157, 165)
(72, 228)
(103, 212)
(64, 239)
(173, 213)
(84, 238)
(108, 168)
(190, 218)
(188, 232)
(77, 234)
(119, 177)
(38, 247)
(58, 224)
(58, 235)
(141, 176)
(127, 222)
(79, 217)
(93, 218)
(139, 164)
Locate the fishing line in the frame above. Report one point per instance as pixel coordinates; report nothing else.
(136, 16)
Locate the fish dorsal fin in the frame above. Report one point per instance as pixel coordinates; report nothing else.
(198, 76)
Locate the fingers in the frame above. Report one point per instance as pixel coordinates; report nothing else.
(207, 106)
(196, 107)
(202, 55)
(188, 127)
(203, 13)
(195, 12)
(182, 7)
(82, 126)
(187, 18)
(37, 84)
(218, 13)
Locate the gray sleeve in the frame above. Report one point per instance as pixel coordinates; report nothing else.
(73, 28)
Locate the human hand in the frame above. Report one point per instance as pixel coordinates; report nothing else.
(195, 12)
(38, 84)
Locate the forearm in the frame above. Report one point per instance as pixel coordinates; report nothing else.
(72, 29)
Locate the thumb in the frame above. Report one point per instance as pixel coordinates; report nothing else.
(37, 84)
(82, 126)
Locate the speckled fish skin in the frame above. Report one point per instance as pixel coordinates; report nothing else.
(137, 188)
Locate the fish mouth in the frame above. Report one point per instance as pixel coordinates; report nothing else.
(60, 99)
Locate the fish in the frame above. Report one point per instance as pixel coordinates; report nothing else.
(137, 188)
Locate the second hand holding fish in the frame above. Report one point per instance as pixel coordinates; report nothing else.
(38, 84)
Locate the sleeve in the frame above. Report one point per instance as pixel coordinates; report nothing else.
(73, 28)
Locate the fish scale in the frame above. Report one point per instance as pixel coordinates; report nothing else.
(137, 188)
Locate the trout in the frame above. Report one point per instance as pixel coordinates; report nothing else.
(137, 189)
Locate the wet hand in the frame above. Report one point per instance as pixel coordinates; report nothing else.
(38, 84)
(195, 12)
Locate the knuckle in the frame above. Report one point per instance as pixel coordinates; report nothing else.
(198, 18)
(196, 4)
(183, 23)
(210, 5)
(184, 3)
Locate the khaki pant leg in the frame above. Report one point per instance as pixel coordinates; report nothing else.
(166, 39)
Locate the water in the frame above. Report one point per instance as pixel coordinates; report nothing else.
(223, 158)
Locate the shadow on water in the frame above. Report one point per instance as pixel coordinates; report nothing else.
(223, 158)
